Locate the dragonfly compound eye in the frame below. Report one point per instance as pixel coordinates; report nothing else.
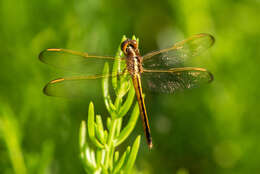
(124, 46)
(128, 43)
(134, 44)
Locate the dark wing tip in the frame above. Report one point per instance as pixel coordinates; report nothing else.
(211, 77)
(46, 88)
(41, 55)
(212, 39)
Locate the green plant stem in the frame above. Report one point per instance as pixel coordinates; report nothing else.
(110, 142)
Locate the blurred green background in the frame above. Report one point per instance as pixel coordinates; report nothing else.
(212, 129)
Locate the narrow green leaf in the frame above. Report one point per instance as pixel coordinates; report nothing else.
(118, 102)
(99, 122)
(114, 72)
(130, 160)
(105, 87)
(99, 134)
(85, 150)
(10, 132)
(91, 126)
(129, 127)
(92, 157)
(116, 156)
(108, 123)
(110, 142)
(128, 103)
(99, 156)
(124, 87)
(83, 143)
(128, 150)
(91, 122)
(99, 129)
(111, 161)
(105, 136)
(117, 65)
(119, 164)
(82, 136)
(118, 128)
(87, 161)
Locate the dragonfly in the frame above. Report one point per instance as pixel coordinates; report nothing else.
(161, 71)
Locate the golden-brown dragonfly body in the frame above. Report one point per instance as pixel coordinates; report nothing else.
(134, 67)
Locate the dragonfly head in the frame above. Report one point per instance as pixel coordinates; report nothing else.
(129, 45)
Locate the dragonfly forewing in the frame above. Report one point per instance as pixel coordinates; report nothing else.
(177, 54)
(74, 61)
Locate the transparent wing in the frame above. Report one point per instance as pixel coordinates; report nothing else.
(175, 79)
(75, 61)
(176, 55)
(77, 86)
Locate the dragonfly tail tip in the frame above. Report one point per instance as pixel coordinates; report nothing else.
(150, 146)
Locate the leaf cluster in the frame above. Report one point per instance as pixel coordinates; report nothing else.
(98, 144)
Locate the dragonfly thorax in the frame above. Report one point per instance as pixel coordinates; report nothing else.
(133, 58)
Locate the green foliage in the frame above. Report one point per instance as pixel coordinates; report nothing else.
(97, 144)
(22, 163)
(10, 132)
(214, 129)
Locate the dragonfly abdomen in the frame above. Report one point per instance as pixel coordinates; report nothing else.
(139, 94)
